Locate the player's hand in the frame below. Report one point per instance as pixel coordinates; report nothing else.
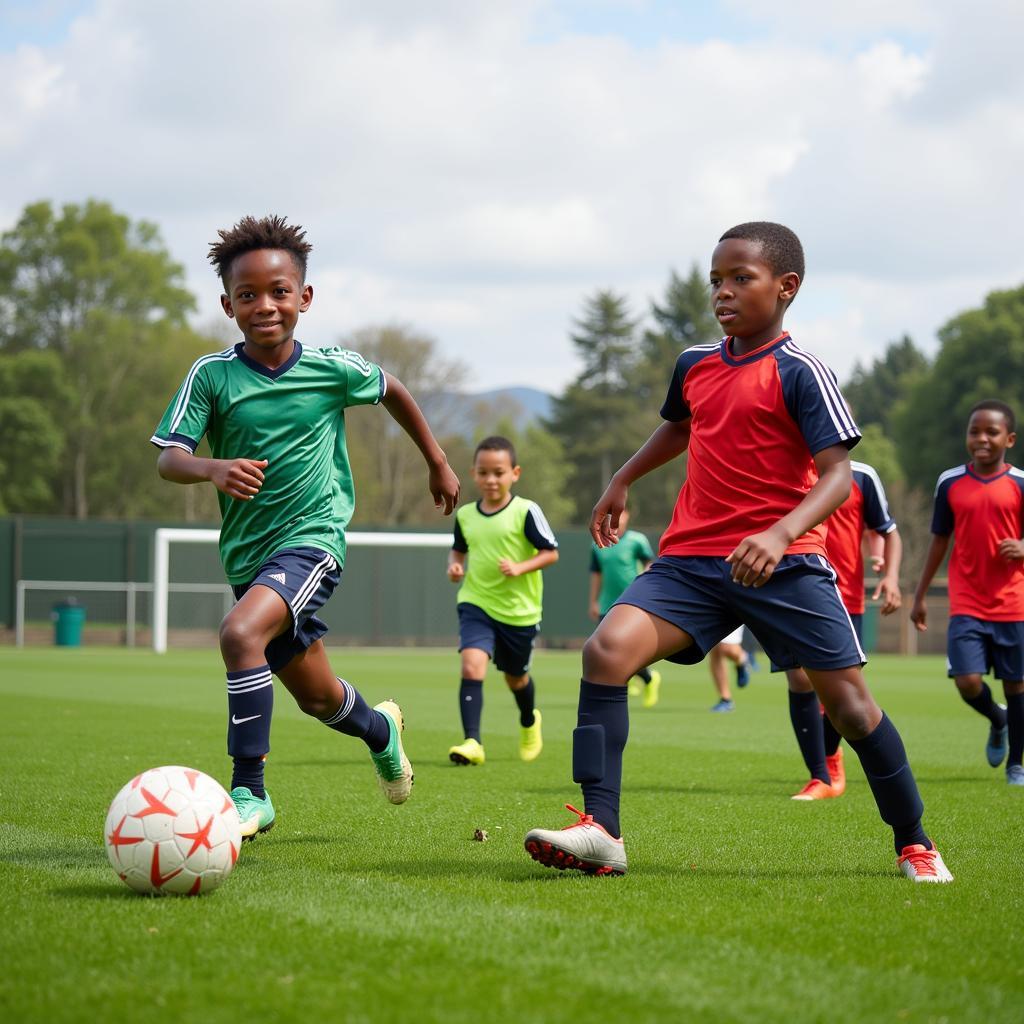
(877, 564)
(238, 478)
(456, 572)
(1011, 549)
(604, 520)
(889, 592)
(919, 616)
(594, 611)
(755, 557)
(444, 487)
(510, 568)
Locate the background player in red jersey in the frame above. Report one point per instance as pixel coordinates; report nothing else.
(865, 509)
(768, 434)
(982, 503)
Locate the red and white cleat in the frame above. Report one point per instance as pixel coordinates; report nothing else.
(815, 790)
(585, 846)
(921, 865)
(836, 772)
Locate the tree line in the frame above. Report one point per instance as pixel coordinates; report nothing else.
(95, 338)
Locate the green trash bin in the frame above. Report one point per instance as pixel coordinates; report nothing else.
(68, 619)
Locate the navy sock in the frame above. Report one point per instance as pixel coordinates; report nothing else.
(985, 705)
(471, 707)
(250, 707)
(645, 674)
(831, 734)
(805, 714)
(884, 760)
(356, 718)
(1015, 721)
(597, 764)
(524, 701)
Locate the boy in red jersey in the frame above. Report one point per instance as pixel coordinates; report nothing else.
(768, 434)
(865, 509)
(982, 502)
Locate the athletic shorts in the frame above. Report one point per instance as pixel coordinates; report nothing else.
(735, 637)
(797, 616)
(976, 646)
(509, 647)
(305, 578)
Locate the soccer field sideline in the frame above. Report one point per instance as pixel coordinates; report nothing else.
(739, 904)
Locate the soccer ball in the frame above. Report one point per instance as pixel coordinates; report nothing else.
(172, 829)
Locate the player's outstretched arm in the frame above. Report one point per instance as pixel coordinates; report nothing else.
(237, 478)
(755, 557)
(541, 560)
(936, 553)
(888, 589)
(442, 481)
(667, 442)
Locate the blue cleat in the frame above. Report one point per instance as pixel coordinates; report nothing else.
(1015, 775)
(743, 674)
(995, 749)
(724, 705)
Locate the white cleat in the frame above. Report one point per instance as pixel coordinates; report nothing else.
(585, 846)
(921, 865)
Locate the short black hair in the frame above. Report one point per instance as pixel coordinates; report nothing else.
(996, 406)
(780, 247)
(250, 234)
(497, 443)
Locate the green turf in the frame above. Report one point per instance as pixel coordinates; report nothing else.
(739, 905)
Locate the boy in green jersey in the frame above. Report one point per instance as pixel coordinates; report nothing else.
(612, 569)
(274, 415)
(508, 541)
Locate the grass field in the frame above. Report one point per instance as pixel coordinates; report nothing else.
(740, 905)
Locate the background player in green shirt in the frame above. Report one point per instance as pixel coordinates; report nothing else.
(611, 571)
(508, 541)
(274, 415)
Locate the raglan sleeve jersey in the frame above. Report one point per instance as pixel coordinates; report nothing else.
(757, 421)
(980, 512)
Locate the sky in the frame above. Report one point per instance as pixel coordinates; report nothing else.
(475, 171)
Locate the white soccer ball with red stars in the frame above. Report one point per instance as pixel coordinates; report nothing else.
(173, 830)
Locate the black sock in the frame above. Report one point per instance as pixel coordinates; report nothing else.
(645, 675)
(606, 707)
(250, 706)
(1015, 730)
(985, 705)
(356, 718)
(884, 761)
(471, 707)
(831, 734)
(524, 701)
(805, 715)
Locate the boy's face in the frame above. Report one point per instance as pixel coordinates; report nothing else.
(494, 475)
(746, 295)
(988, 437)
(265, 296)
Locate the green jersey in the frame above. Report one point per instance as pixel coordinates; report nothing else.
(517, 531)
(619, 565)
(294, 417)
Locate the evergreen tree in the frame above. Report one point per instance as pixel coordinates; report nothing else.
(874, 393)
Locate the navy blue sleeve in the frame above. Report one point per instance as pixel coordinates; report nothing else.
(942, 515)
(537, 530)
(459, 543)
(595, 564)
(1017, 476)
(876, 509)
(813, 399)
(674, 409)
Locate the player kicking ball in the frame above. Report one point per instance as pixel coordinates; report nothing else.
(769, 435)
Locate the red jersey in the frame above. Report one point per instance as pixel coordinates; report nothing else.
(757, 422)
(865, 508)
(981, 511)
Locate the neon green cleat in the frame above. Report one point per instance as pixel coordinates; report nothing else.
(257, 816)
(469, 751)
(531, 743)
(652, 690)
(394, 773)
(634, 688)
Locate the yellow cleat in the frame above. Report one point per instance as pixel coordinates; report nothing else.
(634, 688)
(652, 690)
(469, 751)
(531, 743)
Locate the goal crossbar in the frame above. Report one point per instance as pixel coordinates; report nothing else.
(166, 536)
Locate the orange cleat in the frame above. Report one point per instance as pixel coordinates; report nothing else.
(815, 790)
(836, 771)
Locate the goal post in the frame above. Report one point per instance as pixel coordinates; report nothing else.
(166, 536)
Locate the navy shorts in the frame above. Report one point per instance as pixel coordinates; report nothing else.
(305, 578)
(510, 647)
(797, 616)
(976, 646)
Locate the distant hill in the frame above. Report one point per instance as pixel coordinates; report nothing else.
(522, 405)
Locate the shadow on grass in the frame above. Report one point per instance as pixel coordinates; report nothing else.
(55, 858)
(95, 891)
